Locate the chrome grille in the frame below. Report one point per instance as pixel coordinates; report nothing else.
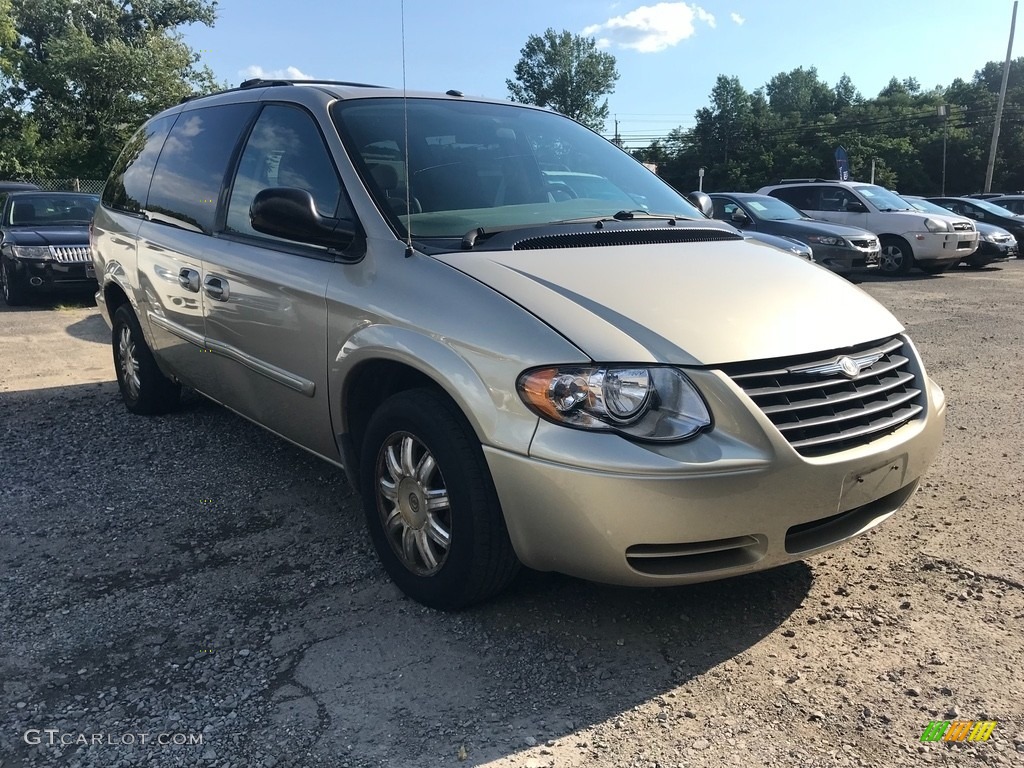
(820, 409)
(963, 226)
(869, 244)
(70, 254)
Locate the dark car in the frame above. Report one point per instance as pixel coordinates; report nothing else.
(839, 247)
(17, 186)
(988, 211)
(1012, 203)
(994, 243)
(787, 244)
(44, 243)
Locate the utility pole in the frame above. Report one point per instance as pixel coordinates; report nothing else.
(943, 111)
(999, 107)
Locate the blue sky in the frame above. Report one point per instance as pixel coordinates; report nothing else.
(668, 53)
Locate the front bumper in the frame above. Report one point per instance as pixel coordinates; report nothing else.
(989, 252)
(52, 276)
(942, 247)
(734, 500)
(846, 260)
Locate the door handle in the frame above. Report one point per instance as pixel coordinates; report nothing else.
(188, 279)
(216, 287)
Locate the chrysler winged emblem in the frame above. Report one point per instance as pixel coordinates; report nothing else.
(848, 366)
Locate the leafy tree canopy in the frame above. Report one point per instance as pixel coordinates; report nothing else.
(567, 73)
(81, 75)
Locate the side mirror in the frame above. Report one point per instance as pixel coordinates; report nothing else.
(291, 213)
(702, 202)
(739, 217)
(856, 206)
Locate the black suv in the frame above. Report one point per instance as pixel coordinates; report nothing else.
(44, 243)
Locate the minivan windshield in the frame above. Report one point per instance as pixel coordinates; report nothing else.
(465, 165)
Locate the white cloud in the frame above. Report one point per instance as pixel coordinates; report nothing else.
(737, 18)
(288, 73)
(650, 28)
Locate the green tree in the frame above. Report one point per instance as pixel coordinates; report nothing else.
(567, 73)
(799, 95)
(86, 73)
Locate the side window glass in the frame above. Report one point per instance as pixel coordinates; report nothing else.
(128, 184)
(804, 198)
(285, 149)
(192, 166)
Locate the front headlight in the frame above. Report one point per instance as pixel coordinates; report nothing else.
(934, 225)
(656, 404)
(31, 251)
(992, 238)
(827, 240)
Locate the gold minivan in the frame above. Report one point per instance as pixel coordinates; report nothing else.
(511, 369)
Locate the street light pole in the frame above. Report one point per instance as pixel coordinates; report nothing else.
(700, 179)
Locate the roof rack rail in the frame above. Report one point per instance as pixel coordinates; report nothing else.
(259, 82)
(803, 181)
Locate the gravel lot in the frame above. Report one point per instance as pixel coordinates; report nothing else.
(192, 578)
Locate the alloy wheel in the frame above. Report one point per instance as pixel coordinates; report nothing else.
(412, 500)
(129, 362)
(891, 258)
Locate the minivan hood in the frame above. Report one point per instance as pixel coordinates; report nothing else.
(683, 303)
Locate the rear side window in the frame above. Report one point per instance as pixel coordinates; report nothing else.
(190, 173)
(804, 198)
(128, 184)
(285, 149)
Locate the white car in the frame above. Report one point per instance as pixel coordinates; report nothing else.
(909, 238)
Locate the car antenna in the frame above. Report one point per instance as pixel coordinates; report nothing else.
(408, 180)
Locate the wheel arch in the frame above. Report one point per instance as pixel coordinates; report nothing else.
(380, 361)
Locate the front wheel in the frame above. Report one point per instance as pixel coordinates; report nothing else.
(144, 388)
(14, 294)
(430, 504)
(896, 257)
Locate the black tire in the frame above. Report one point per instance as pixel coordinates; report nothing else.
(896, 257)
(14, 294)
(149, 392)
(445, 463)
(933, 269)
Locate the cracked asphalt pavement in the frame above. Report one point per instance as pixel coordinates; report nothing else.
(189, 590)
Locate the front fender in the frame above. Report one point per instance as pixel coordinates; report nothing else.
(494, 410)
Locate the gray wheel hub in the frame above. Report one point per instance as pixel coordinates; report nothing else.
(413, 503)
(891, 258)
(129, 362)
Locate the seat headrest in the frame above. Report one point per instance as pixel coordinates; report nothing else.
(385, 176)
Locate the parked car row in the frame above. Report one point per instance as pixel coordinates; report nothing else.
(853, 226)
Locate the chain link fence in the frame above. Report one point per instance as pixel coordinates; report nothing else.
(94, 186)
